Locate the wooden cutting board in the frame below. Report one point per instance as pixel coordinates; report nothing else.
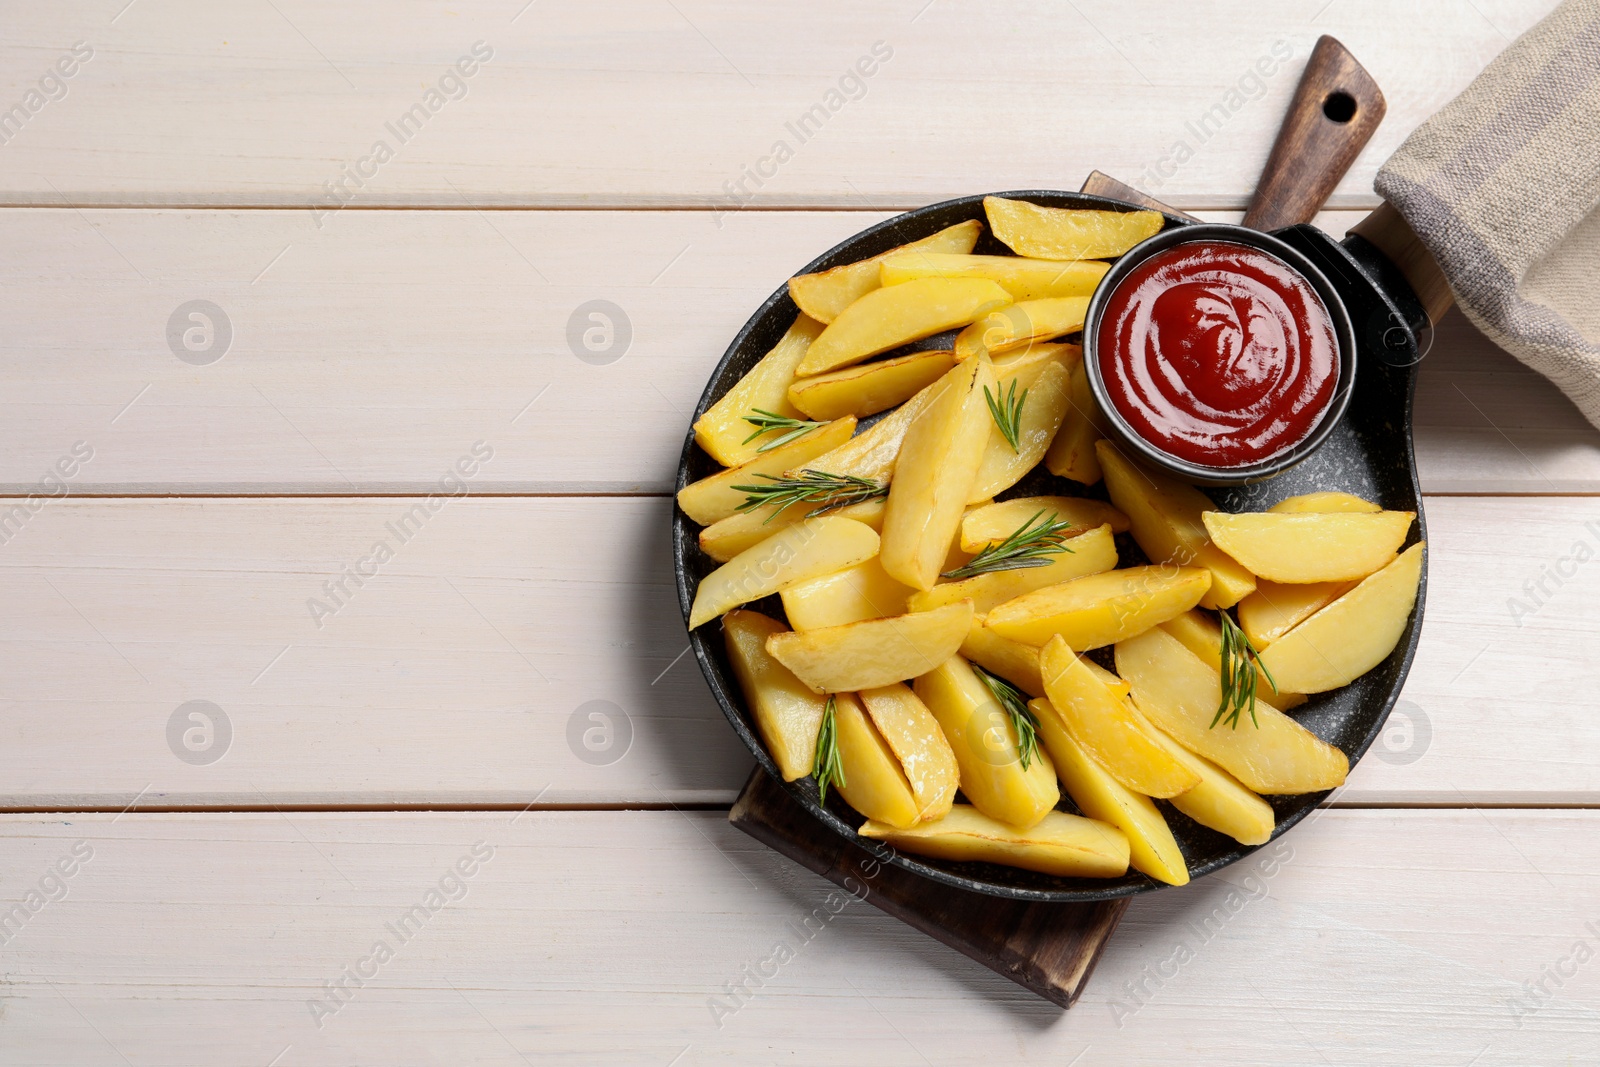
(1048, 949)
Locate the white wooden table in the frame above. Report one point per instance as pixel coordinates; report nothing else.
(234, 863)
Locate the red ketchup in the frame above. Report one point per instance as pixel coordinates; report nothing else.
(1218, 353)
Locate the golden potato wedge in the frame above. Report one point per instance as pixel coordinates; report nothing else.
(1323, 502)
(785, 711)
(1072, 454)
(1202, 635)
(888, 318)
(1220, 801)
(824, 294)
(1099, 795)
(1042, 394)
(1015, 326)
(854, 594)
(1273, 610)
(874, 453)
(984, 526)
(1061, 844)
(933, 478)
(1067, 233)
(1089, 553)
(1024, 279)
(985, 743)
(1099, 718)
(866, 655)
(918, 743)
(1179, 694)
(1012, 660)
(728, 537)
(1166, 515)
(1100, 609)
(1353, 634)
(722, 431)
(805, 550)
(715, 497)
(872, 782)
(868, 388)
(1069, 356)
(1310, 546)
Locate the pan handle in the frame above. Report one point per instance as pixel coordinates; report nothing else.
(1333, 114)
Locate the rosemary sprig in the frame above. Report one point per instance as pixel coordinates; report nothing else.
(1030, 545)
(1238, 667)
(767, 421)
(1006, 411)
(1016, 706)
(826, 767)
(827, 491)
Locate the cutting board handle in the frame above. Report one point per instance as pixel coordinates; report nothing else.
(1333, 114)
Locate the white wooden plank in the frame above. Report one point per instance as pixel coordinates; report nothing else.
(369, 356)
(644, 103)
(1366, 937)
(453, 676)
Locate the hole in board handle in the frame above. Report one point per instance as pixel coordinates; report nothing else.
(1339, 106)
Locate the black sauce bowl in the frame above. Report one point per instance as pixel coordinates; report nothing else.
(1244, 474)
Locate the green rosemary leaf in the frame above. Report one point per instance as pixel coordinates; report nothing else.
(1238, 670)
(1015, 705)
(826, 767)
(768, 421)
(1007, 412)
(1030, 545)
(826, 491)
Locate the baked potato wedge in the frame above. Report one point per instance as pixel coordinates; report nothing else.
(722, 430)
(1099, 795)
(854, 594)
(1179, 694)
(824, 294)
(1323, 502)
(1353, 634)
(1041, 392)
(1273, 610)
(786, 712)
(1067, 233)
(728, 537)
(1070, 846)
(1072, 454)
(933, 479)
(1310, 546)
(873, 653)
(1015, 326)
(1100, 609)
(888, 318)
(873, 782)
(1167, 517)
(1024, 279)
(913, 735)
(985, 743)
(805, 550)
(868, 388)
(714, 497)
(1220, 801)
(1099, 718)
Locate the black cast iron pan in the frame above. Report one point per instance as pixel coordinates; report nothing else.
(1367, 452)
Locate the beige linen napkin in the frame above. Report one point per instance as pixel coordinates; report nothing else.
(1503, 187)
